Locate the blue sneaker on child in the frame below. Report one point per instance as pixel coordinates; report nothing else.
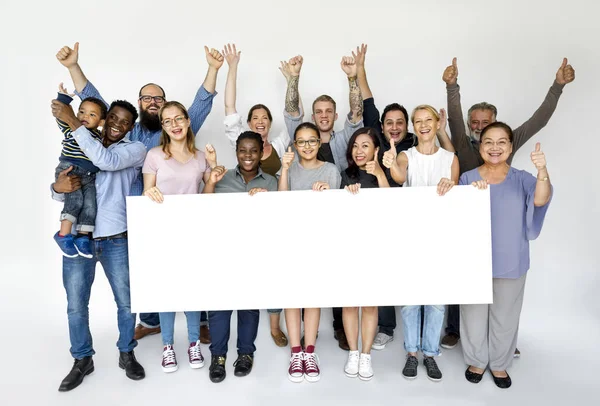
(83, 246)
(66, 245)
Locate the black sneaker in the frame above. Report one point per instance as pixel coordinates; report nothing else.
(216, 371)
(410, 368)
(243, 364)
(433, 372)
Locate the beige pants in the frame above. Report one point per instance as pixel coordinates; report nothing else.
(488, 332)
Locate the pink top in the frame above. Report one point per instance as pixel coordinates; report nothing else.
(174, 177)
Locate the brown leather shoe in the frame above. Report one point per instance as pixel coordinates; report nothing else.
(204, 335)
(279, 338)
(141, 331)
(340, 335)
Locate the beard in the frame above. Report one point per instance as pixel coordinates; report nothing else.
(150, 121)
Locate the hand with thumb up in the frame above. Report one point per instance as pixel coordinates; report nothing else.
(287, 159)
(389, 157)
(538, 158)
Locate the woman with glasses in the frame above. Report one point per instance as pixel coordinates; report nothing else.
(306, 173)
(423, 165)
(177, 167)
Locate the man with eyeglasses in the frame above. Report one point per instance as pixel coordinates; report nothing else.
(147, 130)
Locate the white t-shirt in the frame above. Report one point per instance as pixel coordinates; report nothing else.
(427, 170)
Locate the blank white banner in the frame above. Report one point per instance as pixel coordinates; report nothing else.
(396, 246)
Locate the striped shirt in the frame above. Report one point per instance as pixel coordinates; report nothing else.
(72, 153)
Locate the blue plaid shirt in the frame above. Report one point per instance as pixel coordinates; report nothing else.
(198, 112)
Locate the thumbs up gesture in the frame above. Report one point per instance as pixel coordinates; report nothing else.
(68, 57)
(451, 73)
(389, 157)
(373, 167)
(538, 158)
(287, 159)
(565, 74)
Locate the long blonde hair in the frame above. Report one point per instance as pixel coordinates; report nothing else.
(165, 140)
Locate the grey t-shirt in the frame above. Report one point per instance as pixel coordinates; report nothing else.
(303, 179)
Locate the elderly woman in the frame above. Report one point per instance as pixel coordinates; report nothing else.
(519, 202)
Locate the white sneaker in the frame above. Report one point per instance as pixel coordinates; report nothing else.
(365, 370)
(351, 367)
(169, 362)
(381, 339)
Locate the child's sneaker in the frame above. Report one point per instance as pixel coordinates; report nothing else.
(195, 355)
(312, 373)
(169, 362)
(66, 245)
(296, 370)
(83, 245)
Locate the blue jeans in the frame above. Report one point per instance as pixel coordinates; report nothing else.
(152, 320)
(432, 328)
(167, 325)
(220, 326)
(78, 277)
(274, 311)
(80, 206)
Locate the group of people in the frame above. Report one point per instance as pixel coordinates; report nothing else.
(105, 146)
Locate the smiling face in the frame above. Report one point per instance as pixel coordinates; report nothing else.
(260, 123)
(307, 143)
(324, 115)
(119, 121)
(363, 150)
(425, 124)
(248, 155)
(495, 147)
(90, 115)
(478, 120)
(395, 126)
(175, 123)
(151, 107)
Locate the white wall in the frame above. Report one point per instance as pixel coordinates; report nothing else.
(508, 53)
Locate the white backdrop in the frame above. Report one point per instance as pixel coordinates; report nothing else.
(508, 53)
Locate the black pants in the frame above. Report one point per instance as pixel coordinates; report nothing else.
(453, 321)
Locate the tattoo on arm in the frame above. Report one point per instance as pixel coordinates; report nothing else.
(292, 96)
(356, 100)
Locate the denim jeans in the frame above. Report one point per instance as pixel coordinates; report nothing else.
(432, 327)
(453, 321)
(167, 326)
(274, 311)
(152, 320)
(387, 319)
(220, 326)
(78, 277)
(80, 206)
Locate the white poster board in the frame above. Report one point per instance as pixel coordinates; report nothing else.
(396, 246)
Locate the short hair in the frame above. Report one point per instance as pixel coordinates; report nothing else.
(427, 107)
(257, 107)
(152, 84)
(126, 105)
(352, 170)
(165, 140)
(500, 125)
(250, 135)
(98, 103)
(324, 98)
(482, 106)
(307, 126)
(394, 107)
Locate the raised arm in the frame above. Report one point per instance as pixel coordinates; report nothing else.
(442, 135)
(361, 74)
(356, 103)
(202, 104)
(291, 71)
(539, 119)
(286, 162)
(69, 57)
(460, 139)
(232, 56)
(543, 187)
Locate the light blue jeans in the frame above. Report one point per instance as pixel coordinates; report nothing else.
(167, 326)
(432, 328)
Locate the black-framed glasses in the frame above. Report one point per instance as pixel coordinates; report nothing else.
(169, 123)
(148, 99)
(313, 142)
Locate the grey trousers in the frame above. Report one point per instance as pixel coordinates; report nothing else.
(488, 332)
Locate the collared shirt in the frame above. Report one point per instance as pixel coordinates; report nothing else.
(234, 182)
(120, 165)
(198, 112)
(339, 139)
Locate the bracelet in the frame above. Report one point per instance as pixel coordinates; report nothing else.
(545, 178)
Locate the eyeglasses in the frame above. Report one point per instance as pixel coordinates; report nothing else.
(313, 142)
(169, 123)
(148, 99)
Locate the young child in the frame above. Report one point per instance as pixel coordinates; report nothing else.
(80, 205)
(305, 174)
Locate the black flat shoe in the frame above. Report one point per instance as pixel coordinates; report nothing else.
(243, 364)
(81, 368)
(502, 383)
(216, 371)
(473, 377)
(132, 367)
